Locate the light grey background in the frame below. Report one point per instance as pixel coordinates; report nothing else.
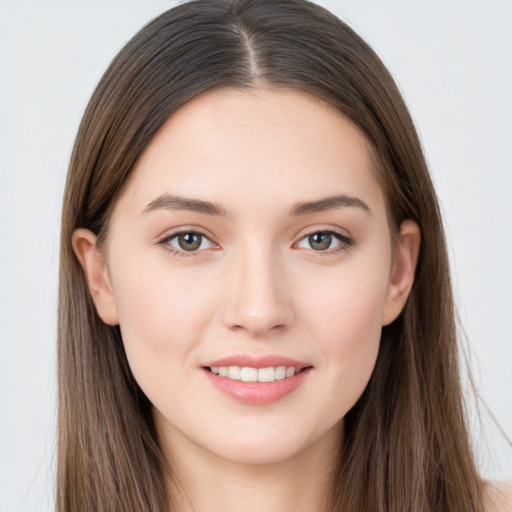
(453, 62)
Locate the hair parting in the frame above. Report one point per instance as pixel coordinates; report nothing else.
(405, 444)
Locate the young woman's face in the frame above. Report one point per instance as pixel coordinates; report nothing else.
(251, 243)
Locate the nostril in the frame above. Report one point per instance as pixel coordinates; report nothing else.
(256, 301)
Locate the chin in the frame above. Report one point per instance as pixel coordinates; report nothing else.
(259, 452)
(274, 446)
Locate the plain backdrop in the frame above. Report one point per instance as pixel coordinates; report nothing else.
(452, 61)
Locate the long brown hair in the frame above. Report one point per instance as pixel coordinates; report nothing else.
(405, 445)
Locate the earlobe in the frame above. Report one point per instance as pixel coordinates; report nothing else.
(95, 270)
(403, 269)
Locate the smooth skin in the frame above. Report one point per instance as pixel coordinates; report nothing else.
(258, 272)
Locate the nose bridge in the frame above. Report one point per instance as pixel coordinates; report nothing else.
(257, 301)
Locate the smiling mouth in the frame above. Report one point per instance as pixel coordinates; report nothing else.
(249, 374)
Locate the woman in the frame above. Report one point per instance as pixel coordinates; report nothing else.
(255, 306)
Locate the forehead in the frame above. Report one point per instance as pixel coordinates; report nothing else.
(271, 147)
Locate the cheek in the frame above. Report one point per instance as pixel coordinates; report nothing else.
(346, 321)
(347, 305)
(161, 316)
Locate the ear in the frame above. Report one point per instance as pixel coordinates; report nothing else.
(95, 269)
(402, 271)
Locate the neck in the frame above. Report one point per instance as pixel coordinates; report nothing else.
(202, 481)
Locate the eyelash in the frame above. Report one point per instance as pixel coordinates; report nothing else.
(164, 242)
(344, 242)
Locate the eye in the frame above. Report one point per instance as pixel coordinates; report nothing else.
(324, 241)
(187, 241)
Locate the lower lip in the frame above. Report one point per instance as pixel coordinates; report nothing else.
(257, 393)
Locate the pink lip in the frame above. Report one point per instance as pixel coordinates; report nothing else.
(257, 393)
(258, 362)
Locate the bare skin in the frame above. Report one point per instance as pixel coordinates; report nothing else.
(499, 497)
(285, 250)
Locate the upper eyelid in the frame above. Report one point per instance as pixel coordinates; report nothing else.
(341, 238)
(164, 242)
(344, 237)
(335, 231)
(178, 231)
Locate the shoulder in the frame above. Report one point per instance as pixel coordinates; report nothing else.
(498, 497)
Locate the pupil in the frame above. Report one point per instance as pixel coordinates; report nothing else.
(320, 241)
(189, 241)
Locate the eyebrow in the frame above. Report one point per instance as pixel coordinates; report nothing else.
(328, 203)
(178, 203)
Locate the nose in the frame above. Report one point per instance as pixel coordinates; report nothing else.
(258, 299)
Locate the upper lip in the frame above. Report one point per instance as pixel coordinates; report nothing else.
(250, 361)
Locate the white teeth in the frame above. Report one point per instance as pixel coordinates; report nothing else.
(266, 375)
(248, 374)
(280, 372)
(234, 372)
